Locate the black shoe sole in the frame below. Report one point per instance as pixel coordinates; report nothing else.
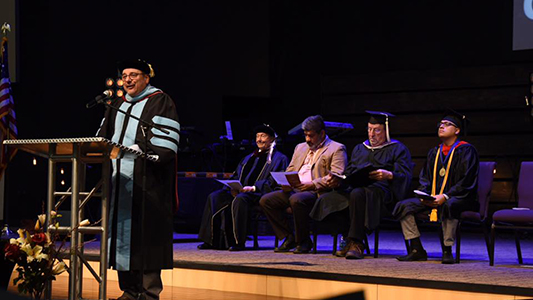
(202, 247)
(301, 251)
(236, 249)
(448, 262)
(282, 250)
(418, 259)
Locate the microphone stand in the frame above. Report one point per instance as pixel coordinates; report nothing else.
(145, 125)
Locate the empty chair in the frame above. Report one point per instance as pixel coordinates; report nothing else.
(519, 218)
(484, 188)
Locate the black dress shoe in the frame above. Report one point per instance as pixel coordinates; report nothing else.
(205, 246)
(355, 251)
(287, 245)
(237, 248)
(304, 247)
(447, 258)
(126, 296)
(415, 255)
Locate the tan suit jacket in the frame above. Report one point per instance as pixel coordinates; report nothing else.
(330, 157)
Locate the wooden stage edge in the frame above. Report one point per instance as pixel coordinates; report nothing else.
(276, 283)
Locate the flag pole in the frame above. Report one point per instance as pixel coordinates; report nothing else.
(5, 29)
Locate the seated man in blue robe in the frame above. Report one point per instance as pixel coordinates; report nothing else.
(226, 213)
(450, 176)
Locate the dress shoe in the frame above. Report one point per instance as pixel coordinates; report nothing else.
(304, 247)
(287, 245)
(126, 296)
(414, 255)
(355, 251)
(447, 258)
(204, 246)
(344, 249)
(237, 247)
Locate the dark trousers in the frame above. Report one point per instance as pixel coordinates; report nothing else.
(240, 215)
(225, 219)
(130, 283)
(358, 207)
(275, 204)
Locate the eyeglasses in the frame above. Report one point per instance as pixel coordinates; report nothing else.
(375, 130)
(131, 75)
(445, 124)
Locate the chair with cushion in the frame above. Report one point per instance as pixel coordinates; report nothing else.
(519, 218)
(484, 188)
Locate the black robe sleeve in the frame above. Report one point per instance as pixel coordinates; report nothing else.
(161, 112)
(467, 164)
(402, 172)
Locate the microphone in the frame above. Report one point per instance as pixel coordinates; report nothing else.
(99, 99)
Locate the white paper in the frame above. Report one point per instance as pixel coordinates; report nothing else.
(232, 184)
(280, 178)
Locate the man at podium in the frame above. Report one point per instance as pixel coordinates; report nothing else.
(139, 270)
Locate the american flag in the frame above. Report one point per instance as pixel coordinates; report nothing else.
(8, 122)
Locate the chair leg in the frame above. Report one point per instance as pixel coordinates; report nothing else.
(255, 229)
(376, 243)
(492, 242)
(487, 238)
(367, 248)
(276, 242)
(518, 249)
(315, 237)
(335, 236)
(458, 243)
(441, 239)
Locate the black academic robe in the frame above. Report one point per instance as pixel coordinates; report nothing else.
(125, 244)
(217, 214)
(461, 186)
(394, 157)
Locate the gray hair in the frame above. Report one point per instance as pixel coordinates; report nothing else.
(314, 123)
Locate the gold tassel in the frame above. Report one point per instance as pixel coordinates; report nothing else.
(152, 73)
(433, 215)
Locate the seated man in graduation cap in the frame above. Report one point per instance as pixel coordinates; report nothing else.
(313, 160)
(226, 213)
(450, 176)
(378, 175)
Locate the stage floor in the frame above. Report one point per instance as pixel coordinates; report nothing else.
(473, 274)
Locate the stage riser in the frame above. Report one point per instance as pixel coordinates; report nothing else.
(278, 286)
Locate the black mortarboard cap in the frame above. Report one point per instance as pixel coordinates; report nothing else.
(456, 118)
(138, 64)
(378, 117)
(266, 129)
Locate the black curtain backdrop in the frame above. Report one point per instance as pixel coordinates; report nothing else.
(247, 61)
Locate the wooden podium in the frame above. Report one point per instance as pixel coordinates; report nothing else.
(80, 152)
